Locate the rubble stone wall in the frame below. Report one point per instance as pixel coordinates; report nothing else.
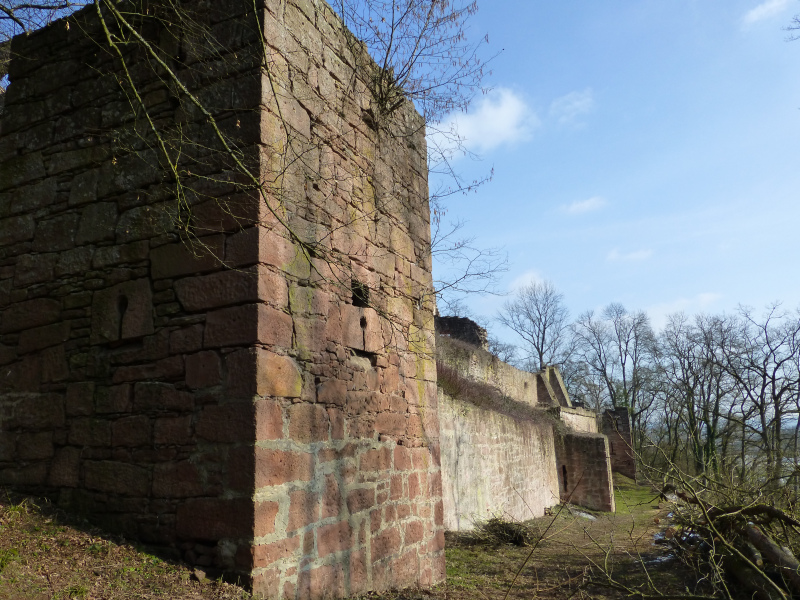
(494, 464)
(234, 398)
(462, 328)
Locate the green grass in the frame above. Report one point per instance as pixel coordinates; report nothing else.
(633, 499)
(481, 567)
(7, 557)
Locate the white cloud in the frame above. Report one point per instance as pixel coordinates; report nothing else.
(527, 278)
(499, 118)
(568, 109)
(765, 10)
(660, 312)
(638, 255)
(583, 206)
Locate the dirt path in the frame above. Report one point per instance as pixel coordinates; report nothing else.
(570, 560)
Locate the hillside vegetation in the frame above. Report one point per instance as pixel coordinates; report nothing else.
(46, 554)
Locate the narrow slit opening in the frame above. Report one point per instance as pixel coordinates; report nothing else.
(360, 293)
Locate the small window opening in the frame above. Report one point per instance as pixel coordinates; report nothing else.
(564, 477)
(122, 307)
(526, 385)
(371, 356)
(360, 294)
(363, 322)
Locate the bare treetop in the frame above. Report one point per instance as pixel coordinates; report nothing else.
(20, 17)
(538, 315)
(422, 50)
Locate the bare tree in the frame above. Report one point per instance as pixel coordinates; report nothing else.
(462, 266)
(502, 350)
(699, 390)
(762, 357)
(728, 393)
(422, 50)
(537, 314)
(619, 349)
(20, 16)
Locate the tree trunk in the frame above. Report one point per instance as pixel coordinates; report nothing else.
(788, 566)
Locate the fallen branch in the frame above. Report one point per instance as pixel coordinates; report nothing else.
(788, 566)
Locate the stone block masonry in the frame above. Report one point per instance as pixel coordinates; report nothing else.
(616, 425)
(493, 463)
(233, 398)
(511, 443)
(584, 471)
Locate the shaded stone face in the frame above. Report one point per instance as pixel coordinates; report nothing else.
(464, 329)
(616, 425)
(267, 410)
(122, 312)
(584, 471)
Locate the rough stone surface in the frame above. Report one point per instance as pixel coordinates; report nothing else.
(479, 365)
(229, 395)
(584, 471)
(493, 463)
(577, 419)
(518, 451)
(464, 329)
(616, 425)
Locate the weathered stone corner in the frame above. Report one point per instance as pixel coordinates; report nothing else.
(229, 397)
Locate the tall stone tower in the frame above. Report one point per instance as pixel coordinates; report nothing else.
(216, 331)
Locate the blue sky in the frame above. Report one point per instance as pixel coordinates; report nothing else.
(644, 152)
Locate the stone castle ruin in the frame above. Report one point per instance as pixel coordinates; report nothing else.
(513, 443)
(247, 376)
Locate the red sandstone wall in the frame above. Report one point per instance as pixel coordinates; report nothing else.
(349, 461)
(249, 416)
(120, 394)
(584, 471)
(494, 463)
(616, 424)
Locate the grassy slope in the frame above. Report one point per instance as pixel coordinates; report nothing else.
(46, 555)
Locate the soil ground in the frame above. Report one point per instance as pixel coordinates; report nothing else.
(612, 556)
(45, 554)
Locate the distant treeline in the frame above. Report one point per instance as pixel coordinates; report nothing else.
(710, 394)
